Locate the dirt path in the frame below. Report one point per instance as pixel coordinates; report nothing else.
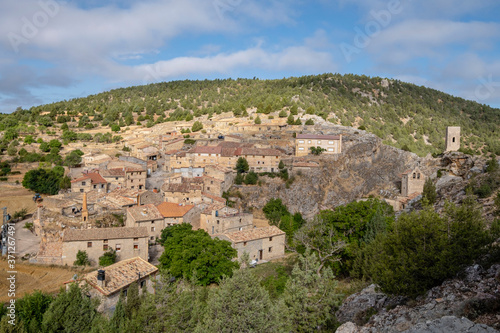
(32, 277)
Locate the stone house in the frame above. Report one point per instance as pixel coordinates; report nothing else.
(176, 214)
(260, 159)
(146, 216)
(108, 283)
(183, 193)
(218, 219)
(412, 181)
(114, 177)
(260, 243)
(89, 181)
(94, 160)
(331, 143)
(135, 178)
(127, 242)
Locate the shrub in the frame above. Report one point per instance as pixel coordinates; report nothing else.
(197, 126)
(108, 258)
(82, 259)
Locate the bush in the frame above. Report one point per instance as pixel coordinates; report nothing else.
(309, 122)
(197, 126)
(82, 259)
(189, 141)
(423, 249)
(251, 178)
(108, 258)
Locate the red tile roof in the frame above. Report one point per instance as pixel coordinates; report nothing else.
(145, 213)
(253, 234)
(170, 209)
(73, 235)
(95, 178)
(206, 150)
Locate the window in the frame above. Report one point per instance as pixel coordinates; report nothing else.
(118, 247)
(81, 190)
(270, 239)
(309, 141)
(136, 246)
(418, 175)
(116, 178)
(240, 228)
(152, 238)
(330, 149)
(105, 247)
(414, 175)
(330, 142)
(152, 228)
(89, 244)
(270, 249)
(453, 140)
(136, 239)
(125, 293)
(244, 243)
(84, 183)
(301, 141)
(95, 186)
(301, 148)
(218, 222)
(143, 283)
(319, 142)
(152, 222)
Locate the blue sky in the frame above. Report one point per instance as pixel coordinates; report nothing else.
(52, 50)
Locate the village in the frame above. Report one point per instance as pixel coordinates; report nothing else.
(122, 203)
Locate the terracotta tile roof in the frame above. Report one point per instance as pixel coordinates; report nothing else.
(94, 177)
(229, 151)
(171, 152)
(116, 172)
(170, 209)
(120, 275)
(182, 188)
(145, 213)
(206, 150)
(213, 197)
(260, 151)
(318, 136)
(72, 235)
(253, 234)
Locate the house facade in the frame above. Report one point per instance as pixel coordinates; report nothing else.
(127, 242)
(331, 143)
(88, 182)
(412, 181)
(260, 243)
(146, 216)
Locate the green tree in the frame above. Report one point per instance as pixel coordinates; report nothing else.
(240, 304)
(251, 178)
(29, 139)
(197, 126)
(42, 181)
(108, 258)
(281, 166)
(115, 128)
(44, 146)
(188, 251)
(65, 183)
(4, 168)
(290, 120)
(257, 120)
(238, 180)
(73, 159)
(317, 150)
(429, 192)
(423, 248)
(309, 122)
(70, 312)
(492, 164)
(274, 210)
(54, 143)
(309, 297)
(242, 165)
(82, 259)
(283, 114)
(31, 308)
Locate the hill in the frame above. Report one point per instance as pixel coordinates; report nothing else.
(401, 114)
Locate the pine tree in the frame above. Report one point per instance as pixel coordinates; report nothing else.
(429, 192)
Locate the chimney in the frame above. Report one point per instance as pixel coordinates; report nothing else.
(101, 278)
(85, 212)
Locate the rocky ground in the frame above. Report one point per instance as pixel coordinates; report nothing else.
(468, 303)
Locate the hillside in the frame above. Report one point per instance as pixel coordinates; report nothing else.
(401, 114)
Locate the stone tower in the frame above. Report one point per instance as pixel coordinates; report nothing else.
(452, 138)
(85, 212)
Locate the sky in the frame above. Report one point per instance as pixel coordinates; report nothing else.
(53, 50)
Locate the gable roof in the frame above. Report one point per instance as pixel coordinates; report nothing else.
(94, 177)
(73, 235)
(121, 274)
(145, 213)
(170, 209)
(253, 234)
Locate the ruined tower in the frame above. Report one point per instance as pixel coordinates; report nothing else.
(452, 138)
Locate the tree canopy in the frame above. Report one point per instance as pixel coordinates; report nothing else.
(188, 251)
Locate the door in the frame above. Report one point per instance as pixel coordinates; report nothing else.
(260, 254)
